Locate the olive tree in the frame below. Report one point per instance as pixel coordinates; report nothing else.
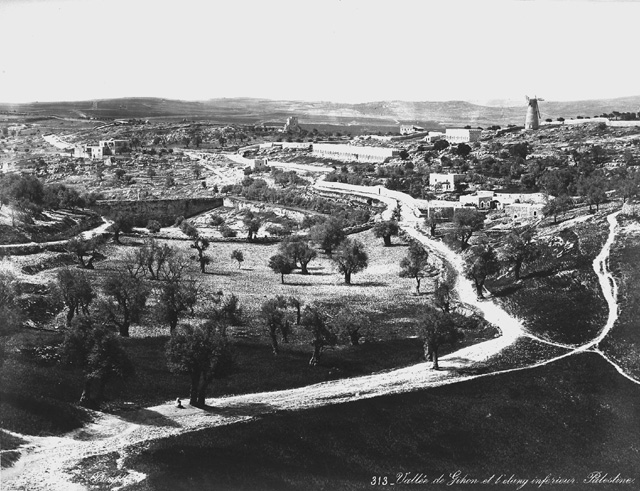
(518, 249)
(83, 248)
(273, 313)
(153, 258)
(351, 325)
(385, 230)
(315, 322)
(480, 263)
(438, 328)
(94, 347)
(237, 255)
(126, 298)
(11, 316)
(75, 291)
(280, 264)
(466, 222)
(416, 265)
(350, 258)
(122, 223)
(200, 243)
(298, 250)
(203, 353)
(328, 234)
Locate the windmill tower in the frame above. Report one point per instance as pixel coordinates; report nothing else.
(532, 121)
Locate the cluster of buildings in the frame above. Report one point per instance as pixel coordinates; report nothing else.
(104, 148)
(518, 206)
(452, 135)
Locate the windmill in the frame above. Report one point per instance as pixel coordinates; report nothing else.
(532, 121)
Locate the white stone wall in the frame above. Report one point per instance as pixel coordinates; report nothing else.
(352, 152)
(462, 135)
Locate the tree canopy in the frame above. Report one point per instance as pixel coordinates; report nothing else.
(385, 230)
(328, 234)
(480, 263)
(416, 264)
(94, 347)
(466, 222)
(438, 328)
(203, 353)
(350, 258)
(281, 264)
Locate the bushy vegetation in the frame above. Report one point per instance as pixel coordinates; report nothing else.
(28, 193)
(258, 189)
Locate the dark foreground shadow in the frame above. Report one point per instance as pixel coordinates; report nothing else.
(507, 291)
(147, 417)
(240, 409)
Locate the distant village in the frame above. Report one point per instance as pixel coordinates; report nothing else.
(449, 189)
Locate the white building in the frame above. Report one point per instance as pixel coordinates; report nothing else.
(352, 152)
(446, 182)
(434, 136)
(88, 151)
(524, 211)
(113, 147)
(481, 200)
(408, 129)
(462, 135)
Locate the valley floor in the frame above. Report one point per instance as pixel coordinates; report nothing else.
(564, 398)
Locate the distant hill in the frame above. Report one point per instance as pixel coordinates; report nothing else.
(382, 113)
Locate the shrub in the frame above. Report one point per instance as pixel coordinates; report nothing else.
(153, 226)
(227, 231)
(216, 220)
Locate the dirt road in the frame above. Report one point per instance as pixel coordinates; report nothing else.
(47, 462)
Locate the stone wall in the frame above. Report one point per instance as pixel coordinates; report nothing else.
(163, 210)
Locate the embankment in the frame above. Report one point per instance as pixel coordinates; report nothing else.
(163, 210)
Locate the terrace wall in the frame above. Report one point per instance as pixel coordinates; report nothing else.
(163, 210)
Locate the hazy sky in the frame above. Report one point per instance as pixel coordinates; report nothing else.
(343, 51)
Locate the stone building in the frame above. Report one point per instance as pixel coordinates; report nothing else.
(88, 151)
(408, 129)
(113, 147)
(434, 136)
(462, 135)
(353, 152)
(482, 200)
(523, 211)
(292, 125)
(446, 182)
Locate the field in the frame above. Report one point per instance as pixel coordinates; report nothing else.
(37, 391)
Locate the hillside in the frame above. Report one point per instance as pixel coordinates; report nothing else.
(381, 113)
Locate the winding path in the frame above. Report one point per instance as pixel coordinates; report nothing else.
(47, 462)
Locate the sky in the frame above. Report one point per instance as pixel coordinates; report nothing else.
(482, 51)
